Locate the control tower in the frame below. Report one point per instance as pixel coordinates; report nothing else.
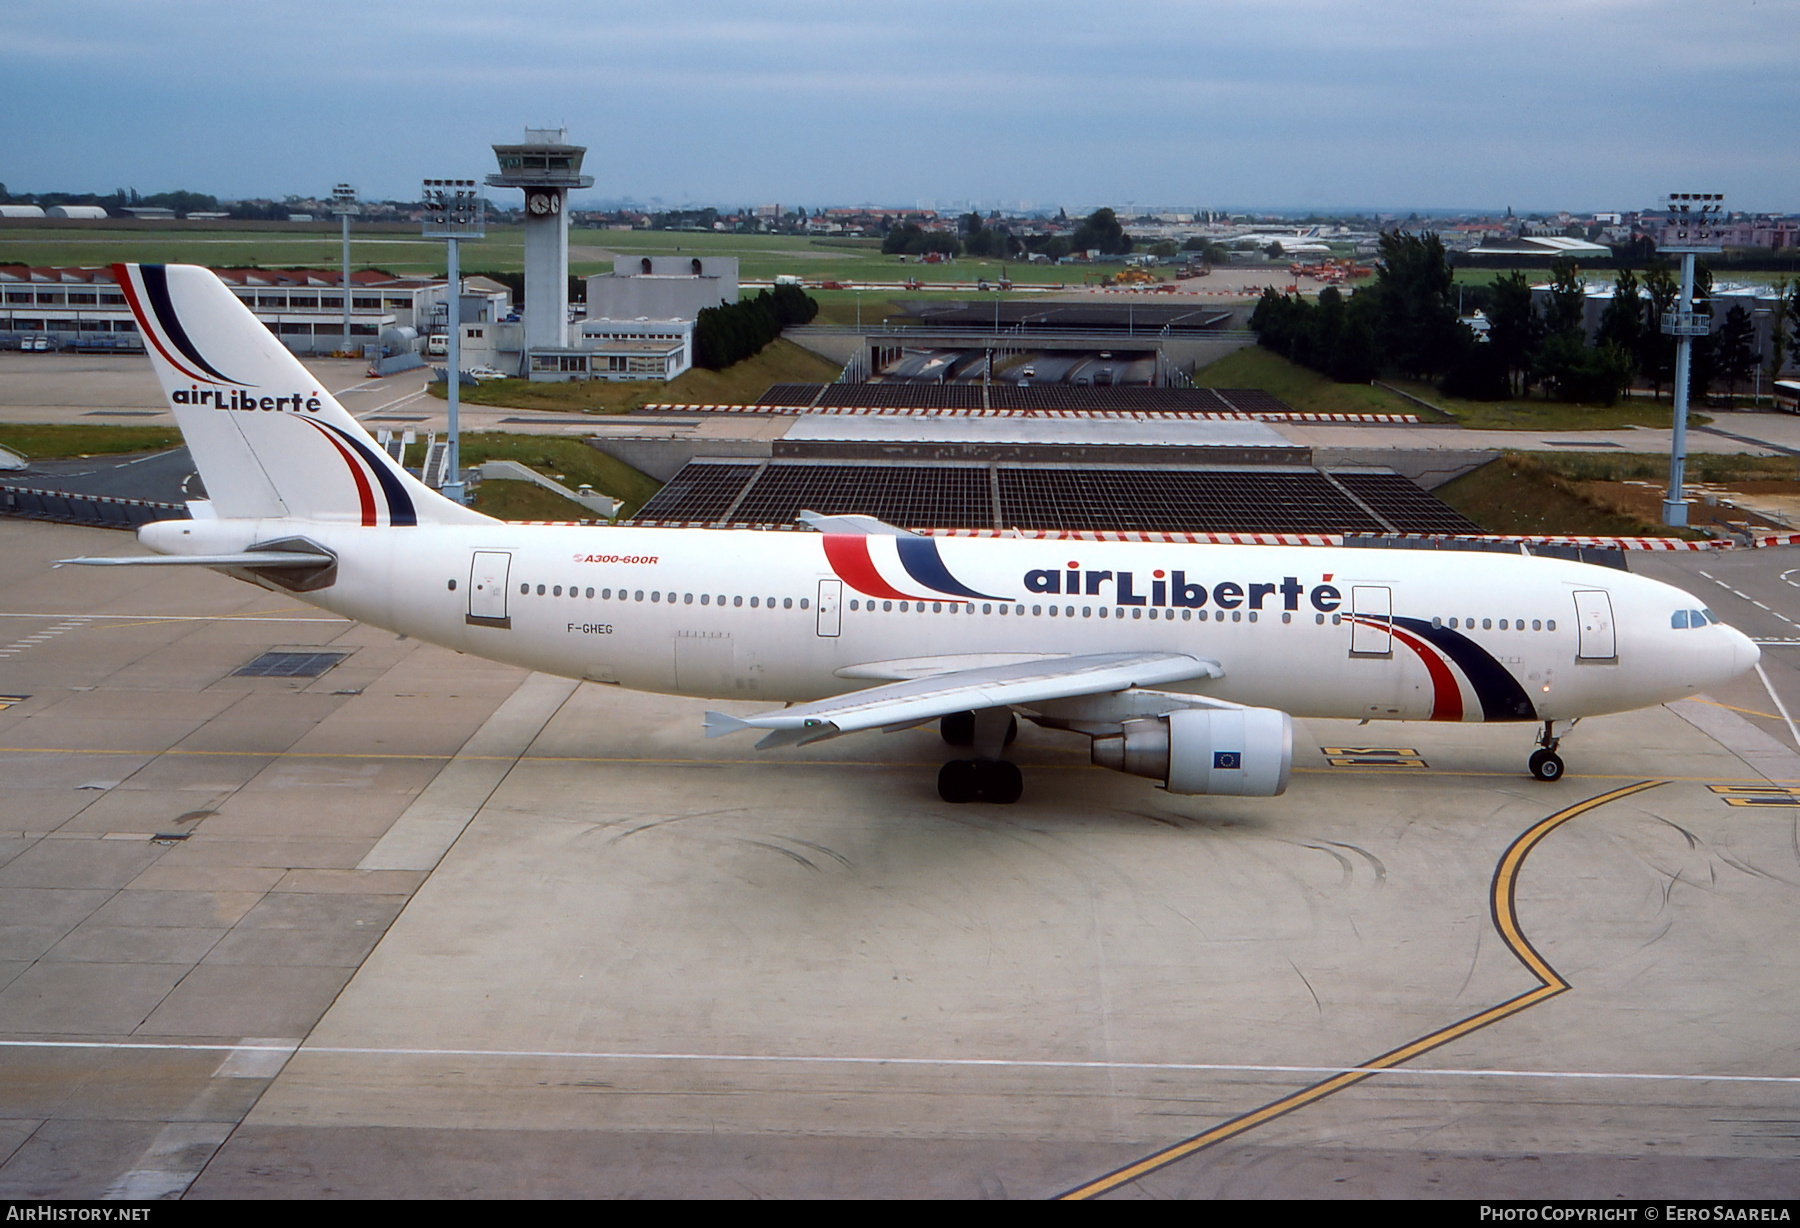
(546, 166)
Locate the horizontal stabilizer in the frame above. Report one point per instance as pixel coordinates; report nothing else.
(718, 724)
(253, 558)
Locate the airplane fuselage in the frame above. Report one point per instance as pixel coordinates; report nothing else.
(798, 616)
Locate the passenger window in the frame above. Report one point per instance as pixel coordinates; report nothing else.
(888, 606)
(686, 598)
(656, 596)
(1487, 624)
(524, 590)
(1550, 625)
(1287, 618)
(590, 594)
(540, 590)
(803, 603)
(987, 607)
(705, 598)
(753, 602)
(1537, 624)
(640, 595)
(1137, 612)
(737, 601)
(787, 603)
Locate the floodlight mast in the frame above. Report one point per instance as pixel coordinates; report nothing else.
(454, 211)
(1696, 217)
(343, 203)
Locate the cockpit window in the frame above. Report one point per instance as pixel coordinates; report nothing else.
(1708, 615)
(1679, 620)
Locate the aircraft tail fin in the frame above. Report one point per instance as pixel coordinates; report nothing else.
(268, 440)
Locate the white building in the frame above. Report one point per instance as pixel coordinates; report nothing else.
(82, 308)
(662, 287)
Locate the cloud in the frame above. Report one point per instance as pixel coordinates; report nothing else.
(1579, 103)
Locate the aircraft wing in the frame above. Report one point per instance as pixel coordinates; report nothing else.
(920, 699)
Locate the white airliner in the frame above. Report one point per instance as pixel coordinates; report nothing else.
(1182, 663)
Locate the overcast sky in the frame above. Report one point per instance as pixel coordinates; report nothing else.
(1578, 104)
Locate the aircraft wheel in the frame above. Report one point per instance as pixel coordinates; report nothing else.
(958, 781)
(1546, 765)
(1001, 782)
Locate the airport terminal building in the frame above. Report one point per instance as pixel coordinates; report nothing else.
(83, 309)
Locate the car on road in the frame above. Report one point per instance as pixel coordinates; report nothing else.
(1028, 372)
(485, 373)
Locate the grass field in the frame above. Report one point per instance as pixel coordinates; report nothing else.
(741, 383)
(1305, 390)
(1532, 414)
(569, 461)
(1604, 493)
(505, 500)
(50, 442)
(1519, 494)
(400, 249)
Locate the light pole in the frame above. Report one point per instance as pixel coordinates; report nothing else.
(454, 212)
(343, 203)
(1694, 216)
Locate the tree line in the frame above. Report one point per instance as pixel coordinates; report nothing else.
(1099, 231)
(731, 332)
(1407, 323)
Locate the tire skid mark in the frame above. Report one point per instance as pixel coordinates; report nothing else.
(1502, 905)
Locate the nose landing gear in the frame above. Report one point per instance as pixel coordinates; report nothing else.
(1545, 763)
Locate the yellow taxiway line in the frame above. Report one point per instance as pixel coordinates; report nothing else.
(1506, 920)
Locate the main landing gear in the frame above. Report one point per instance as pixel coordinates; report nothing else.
(987, 777)
(1545, 763)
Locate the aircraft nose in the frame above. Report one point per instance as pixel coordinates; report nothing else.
(1745, 655)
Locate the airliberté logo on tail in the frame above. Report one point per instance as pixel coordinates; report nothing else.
(243, 399)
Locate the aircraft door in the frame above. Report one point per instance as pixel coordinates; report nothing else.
(1371, 621)
(487, 588)
(1594, 618)
(831, 612)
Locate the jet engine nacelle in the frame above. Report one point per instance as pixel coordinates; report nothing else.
(1239, 752)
